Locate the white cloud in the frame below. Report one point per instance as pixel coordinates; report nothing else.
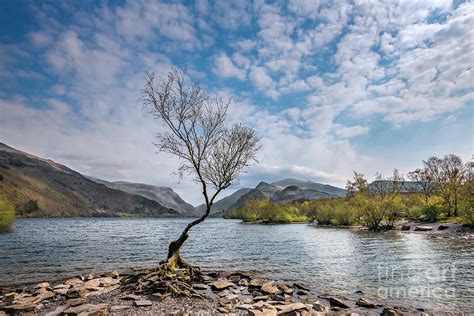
(225, 68)
(352, 131)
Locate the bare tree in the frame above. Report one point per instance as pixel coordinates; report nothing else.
(210, 150)
(424, 182)
(449, 174)
(358, 184)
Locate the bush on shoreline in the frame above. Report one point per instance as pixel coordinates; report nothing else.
(7, 214)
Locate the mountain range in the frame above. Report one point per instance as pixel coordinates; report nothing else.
(42, 187)
(163, 195)
(282, 191)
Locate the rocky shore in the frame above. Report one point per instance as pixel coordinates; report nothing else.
(145, 292)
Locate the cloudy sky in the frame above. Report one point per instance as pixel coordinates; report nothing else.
(330, 86)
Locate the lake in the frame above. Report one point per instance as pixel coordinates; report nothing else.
(409, 269)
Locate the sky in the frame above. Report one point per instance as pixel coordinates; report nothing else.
(329, 86)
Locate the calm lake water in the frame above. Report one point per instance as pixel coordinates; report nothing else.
(402, 268)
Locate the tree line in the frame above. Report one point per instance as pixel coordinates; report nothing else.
(441, 190)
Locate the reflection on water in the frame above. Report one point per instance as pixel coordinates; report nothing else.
(408, 268)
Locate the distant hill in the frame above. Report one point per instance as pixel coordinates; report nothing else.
(390, 186)
(325, 188)
(223, 204)
(42, 187)
(163, 195)
(282, 191)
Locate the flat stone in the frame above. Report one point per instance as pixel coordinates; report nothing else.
(61, 286)
(9, 298)
(224, 293)
(236, 291)
(200, 286)
(318, 307)
(334, 301)
(302, 292)
(234, 278)
(221, 284)
(73, 281)
(222, 310)
(18, 309)
(118, 308)
(132, 297)
(89, 277)
(423, 228)
(232, 297)
(390, 312)
(108, 281)
(443, 227)
(104, 290)
(286, 289)
(42, 285)
(269, 288)
(29, 300)
(92, 283)
(264, 312)
(289, 308)
(247, 300)
(260, 298)
(76, 302)
(365, 303)
(76, 292)
(113, 274)
(61, 291)
(142, 303)
(257, 282)
(58, 311)
(244, 306)
(301, 287)
(243, 282)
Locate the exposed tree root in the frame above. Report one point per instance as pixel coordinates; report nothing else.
(176, 278)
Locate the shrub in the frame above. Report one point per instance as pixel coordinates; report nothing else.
(7, 214)
(467, 212)
(31, 206)
(430, 212)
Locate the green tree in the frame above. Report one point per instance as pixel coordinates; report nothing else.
(449, 174)
(31, 206)
(7, 214)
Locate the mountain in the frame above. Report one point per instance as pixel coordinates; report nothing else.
(285, 191)
(223, 204)
(42, 187)
(326, 188)
(294, 193)
(401, 186)
(163, 195)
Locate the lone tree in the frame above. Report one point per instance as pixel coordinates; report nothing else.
(209, 149)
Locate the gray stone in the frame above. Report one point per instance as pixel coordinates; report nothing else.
(132, 297)
(334, 301)
(143, 303)
(365, 303)
(58, 311)
(269, 288)
(118, 308)
(221, 284)
(423, 228)
(390, 312)
(76, 301)
(198, 286)
(317, 306)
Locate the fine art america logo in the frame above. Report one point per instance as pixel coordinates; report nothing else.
(429, 282)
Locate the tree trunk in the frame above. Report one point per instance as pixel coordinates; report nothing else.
(174, 260)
